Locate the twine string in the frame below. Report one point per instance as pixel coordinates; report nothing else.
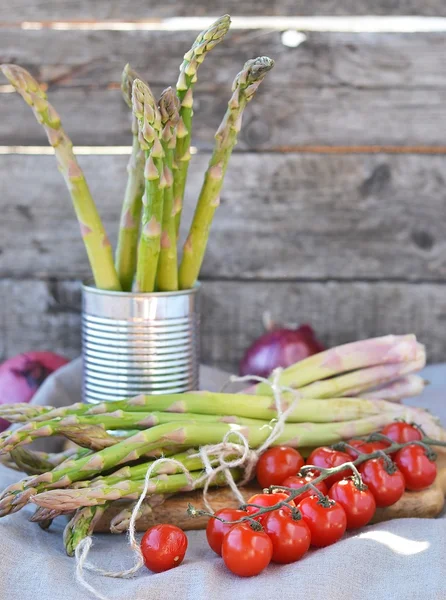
(228, 454)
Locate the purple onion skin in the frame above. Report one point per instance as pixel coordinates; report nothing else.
(279, 348)
(22, 375)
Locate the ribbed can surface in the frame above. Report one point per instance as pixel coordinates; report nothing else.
(135, 343)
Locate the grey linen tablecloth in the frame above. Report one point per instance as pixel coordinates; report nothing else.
(402, 559)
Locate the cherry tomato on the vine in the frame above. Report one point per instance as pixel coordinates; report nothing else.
(163, 547)
(290, 537)
(327, 523)
(277, 463)
(216, 530)
(298, 481)
(365, 447)
(266, 500)
(359, 505)
(418, 470)
(246, 552)
(387, 488)
(401, 432)
(327, 458)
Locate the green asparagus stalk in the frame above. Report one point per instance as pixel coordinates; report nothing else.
(146, 112)
(81, 525)
(167, 274)
(70, 454)
(93, 233)
(69, 499)
(348, 357)
(126, 252)
(189, 459)
(244, 87)
(88, 430)
(207, 40)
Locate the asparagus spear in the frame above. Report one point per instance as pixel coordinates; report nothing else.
(357, 382)
(86, 434)
(93, 233)
(410, 385)
(22, 412)
(126, 252)
(44, 515)
(81, 525)
(68, 499)
(121, 522)
(167, 274)
(244, 88)
(30, 462)
(18, 413)
(149, 125)
(207, 40)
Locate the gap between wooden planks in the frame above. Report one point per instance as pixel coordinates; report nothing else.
(318, 149)
(354, 24)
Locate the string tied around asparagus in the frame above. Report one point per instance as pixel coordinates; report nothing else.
(232, 452)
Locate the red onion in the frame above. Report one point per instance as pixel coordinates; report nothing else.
(21, 376)
(279, 347)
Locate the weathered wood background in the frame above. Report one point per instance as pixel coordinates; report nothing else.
(334, 208)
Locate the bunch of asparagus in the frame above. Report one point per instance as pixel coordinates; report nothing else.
(104, 468)
(157, 172)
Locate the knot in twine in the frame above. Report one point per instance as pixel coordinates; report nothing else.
(216, 458)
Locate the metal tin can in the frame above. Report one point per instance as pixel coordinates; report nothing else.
(134, 343)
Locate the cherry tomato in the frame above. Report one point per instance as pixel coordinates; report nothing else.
(297, 481)
(366, 447)
(359, 505)
(291, 538)
(246, 552)
(418, 470)
(277, 463)
(327, 458)
(163, 547)
(327, 524)
(266, 500)
(386, 488)
(216, 530)
(401, 432)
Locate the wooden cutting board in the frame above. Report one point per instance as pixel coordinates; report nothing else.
(427, 504)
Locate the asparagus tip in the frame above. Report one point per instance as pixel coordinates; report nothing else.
(129, 75)
(169, 106)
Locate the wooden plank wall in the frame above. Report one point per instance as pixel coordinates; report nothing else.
(333, 208)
